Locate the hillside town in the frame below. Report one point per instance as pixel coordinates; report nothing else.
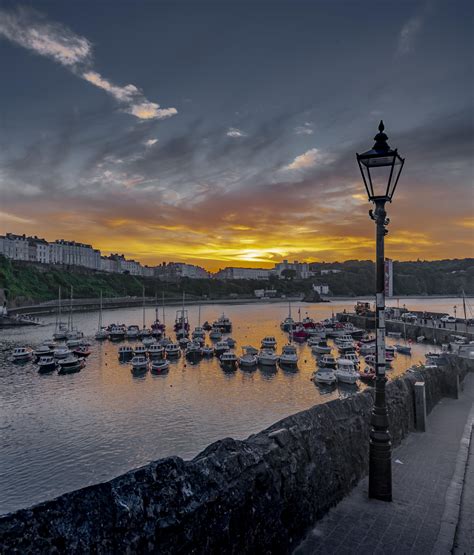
(72, 253)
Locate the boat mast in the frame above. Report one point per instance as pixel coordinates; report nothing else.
(163, 304)
(58, 314)
(71, 325)
(100, 312)
(182, 315)
(143, 295)
(464, 305)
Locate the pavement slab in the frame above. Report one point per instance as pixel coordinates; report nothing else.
(423, 467)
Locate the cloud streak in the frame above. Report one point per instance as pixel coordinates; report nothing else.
(31, 30)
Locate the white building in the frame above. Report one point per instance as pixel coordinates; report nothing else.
(322, 289)
(109, 264)
(147, 271)
(74, 254)
(243, 273)
(177, 270)
(14, 246)
(301, 268)
(38, 250)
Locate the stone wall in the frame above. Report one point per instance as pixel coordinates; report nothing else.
(253, 496)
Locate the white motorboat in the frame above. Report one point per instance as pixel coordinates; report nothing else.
(61, 332)
(199, 331)
(231, 342)
(145, 332)
(22, 353)
(215, 334)
(132, 332)
(352, 357)
(61, 353)
(344, 348)
(269, 342)
(46, 364)
(193, 351)
(75, 335)
(394, 334)
(249, 349)
(160, 366)
(223, 323)
(324, 376)
(367, 349)
(220, 348)
(139, 364)
(267, 357)
(156, 350)
(327, 361)
(345, 371)
(116, 332)
(139, 350)
(228, 360)
(165, 341)
(322, 348)
(289, 356)
(125, 351)
(344, 338)
(207, 351)
(248, 358)
(287, 324)
(184, 342)
(172, 350)
(101, 332)
(43, 350)
(74, 342)
(70, 364)
(148, 340)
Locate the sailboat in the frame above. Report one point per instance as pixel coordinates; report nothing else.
(181, 325)
(101, 331)
(144, 332)
(157, 328)
(404, 349)
(199, 332)
(60, 331)
(74, 336)
(288, 322)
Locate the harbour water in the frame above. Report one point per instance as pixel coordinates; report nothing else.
(60, 433)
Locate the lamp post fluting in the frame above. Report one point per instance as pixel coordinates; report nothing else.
(380, 168)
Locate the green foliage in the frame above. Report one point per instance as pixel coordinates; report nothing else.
(25, 282)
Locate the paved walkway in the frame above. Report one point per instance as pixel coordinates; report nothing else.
(423, 467)
(464, 542)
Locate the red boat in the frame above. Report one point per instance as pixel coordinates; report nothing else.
(300, 333)
(367, 374)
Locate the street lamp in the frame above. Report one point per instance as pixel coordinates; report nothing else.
(455, 318)
(380, 168)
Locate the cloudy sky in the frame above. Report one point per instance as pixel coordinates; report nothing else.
(224, 133)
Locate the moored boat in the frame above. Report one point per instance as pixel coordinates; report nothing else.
(322, 348)
(325, 376)
(62, 352)
(139, 364)
(172, 350)
(156, 350)
(326, 361)
(267, 357)
(139, 350)
(403, 349)
(269, 342)
(289, 356)
(220, 348)
(248, 358)
(207, 351)
(43, 350)
(46, 364)
(70, 365)
(22, 353)
(125, 351)
(160, 366)
(228, 360)
(367, 374)
(345, 371)
(82, 351)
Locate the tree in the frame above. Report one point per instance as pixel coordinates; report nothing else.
(288, 274)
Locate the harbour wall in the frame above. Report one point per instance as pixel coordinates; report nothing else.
(254, 496)
(431, 334)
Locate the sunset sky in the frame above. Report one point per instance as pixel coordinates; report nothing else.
(224, 133)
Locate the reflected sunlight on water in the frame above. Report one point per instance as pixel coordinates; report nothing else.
(60, 433)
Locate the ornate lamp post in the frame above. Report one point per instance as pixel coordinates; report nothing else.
(455, 318)
(380, 168)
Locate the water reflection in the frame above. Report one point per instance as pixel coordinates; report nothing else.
(64, 432)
